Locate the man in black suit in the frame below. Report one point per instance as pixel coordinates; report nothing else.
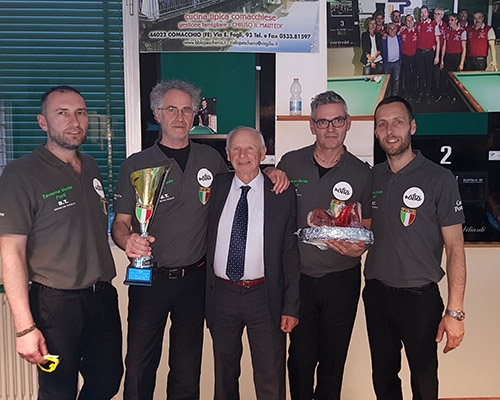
(254, 283)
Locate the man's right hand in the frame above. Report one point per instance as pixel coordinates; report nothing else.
(32, 347)
(138, 246)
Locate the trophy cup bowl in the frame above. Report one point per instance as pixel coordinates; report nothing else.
(148, 184)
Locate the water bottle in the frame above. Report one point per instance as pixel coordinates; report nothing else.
(295, 99)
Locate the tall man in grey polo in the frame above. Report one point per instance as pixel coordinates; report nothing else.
(416, 208)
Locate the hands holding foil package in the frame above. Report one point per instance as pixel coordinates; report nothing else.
(342, 222)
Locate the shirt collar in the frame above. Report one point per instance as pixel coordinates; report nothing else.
(411, 166)
(255, 184)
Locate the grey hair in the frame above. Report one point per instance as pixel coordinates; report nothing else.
(158, 93)
(329, 97)
(244, 128)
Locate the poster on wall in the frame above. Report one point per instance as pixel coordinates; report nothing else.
(434, 84)
(262, 26)
(457, 108)
(342, 23)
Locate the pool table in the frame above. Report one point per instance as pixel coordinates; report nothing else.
(360, 95)
(480, 89)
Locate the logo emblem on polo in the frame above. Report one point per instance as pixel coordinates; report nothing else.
(204, 194)
(98, 187)
(413, 197)
(205, 177)
(407, 216)
(342, 191)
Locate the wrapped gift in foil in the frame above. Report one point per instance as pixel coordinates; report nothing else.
(317, 235)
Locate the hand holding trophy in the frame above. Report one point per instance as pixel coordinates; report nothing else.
(148, 184)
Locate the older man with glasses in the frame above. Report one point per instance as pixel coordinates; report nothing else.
(177, 240)
(323, 173)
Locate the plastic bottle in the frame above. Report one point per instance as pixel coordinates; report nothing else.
(295, 99)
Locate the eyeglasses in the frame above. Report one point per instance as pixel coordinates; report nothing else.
(338, 122)
(186, 111)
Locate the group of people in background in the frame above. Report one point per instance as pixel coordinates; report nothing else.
(419, 54)
(226, 252)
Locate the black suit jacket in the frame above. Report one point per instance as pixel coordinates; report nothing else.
(366, 45)
(281, 258)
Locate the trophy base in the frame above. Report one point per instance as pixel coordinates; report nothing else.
(139, 276)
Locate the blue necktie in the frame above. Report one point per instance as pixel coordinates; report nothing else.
(237, 245)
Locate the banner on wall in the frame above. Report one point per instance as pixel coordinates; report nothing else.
(257, 26)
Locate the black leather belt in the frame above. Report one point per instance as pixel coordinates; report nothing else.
(416, 289)
(96, 287)
(179, 272)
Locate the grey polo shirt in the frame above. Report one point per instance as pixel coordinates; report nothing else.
(179, 225)
(63, 216)
(348, 181)
(409, 209)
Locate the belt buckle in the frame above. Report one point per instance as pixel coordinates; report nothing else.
(246, 284)
(172, 273)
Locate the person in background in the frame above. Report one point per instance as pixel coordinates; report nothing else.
(480, 39)
(53, 233)
(203, 114)
(380, 22)
(392, 55)
(252, 271)
(453, 53)
(439, 76)
(408, 35)
(326, 173)
(463, 16)
(428, 48)
(178, 242)
(396, 19)
(371, 49)
(416, 209)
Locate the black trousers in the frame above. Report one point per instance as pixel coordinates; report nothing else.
(183, 299)
(320, 341)
(409, 318)
(236, 309)
(408, 70)
(451, 63)
(82, 327)
(476, 63)
(425, 68)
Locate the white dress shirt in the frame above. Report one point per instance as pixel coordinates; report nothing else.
(254, 254)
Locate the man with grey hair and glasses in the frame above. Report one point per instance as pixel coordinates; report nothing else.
(178, 242)
(326, 173)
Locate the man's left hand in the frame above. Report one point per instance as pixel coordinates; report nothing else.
(288, 323)
(346, 248)
(279, 178)
(454, 332)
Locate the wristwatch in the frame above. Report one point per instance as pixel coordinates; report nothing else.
(458, 315)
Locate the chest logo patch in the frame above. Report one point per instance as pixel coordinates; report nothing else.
(413, 197)
(205, 178)
(407, 216)
(204, 194)
(99, 190)
(98, 187)
(342, 191)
